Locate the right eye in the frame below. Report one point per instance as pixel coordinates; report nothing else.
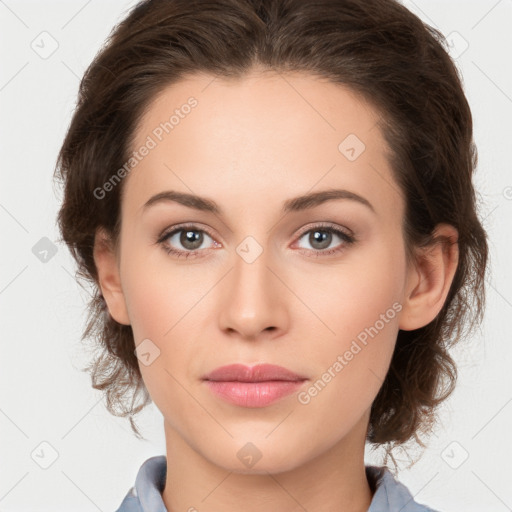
(190, 237)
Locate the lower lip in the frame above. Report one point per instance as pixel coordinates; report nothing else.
(254, 394)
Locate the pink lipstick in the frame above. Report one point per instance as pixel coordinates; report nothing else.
(256, 386)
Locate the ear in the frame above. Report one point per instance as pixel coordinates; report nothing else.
(429, 281)
(108, 277)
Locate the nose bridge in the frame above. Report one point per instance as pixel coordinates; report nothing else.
(251, 266)
(253, 300)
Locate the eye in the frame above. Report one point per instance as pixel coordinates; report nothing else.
(321, 237)
(194, 240)
(190, 238)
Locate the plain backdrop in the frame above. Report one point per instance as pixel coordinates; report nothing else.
(60, 449)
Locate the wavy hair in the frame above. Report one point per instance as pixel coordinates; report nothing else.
(379, 49)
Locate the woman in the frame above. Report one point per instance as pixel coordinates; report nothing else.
(274, 201)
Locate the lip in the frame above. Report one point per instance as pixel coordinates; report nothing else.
(257, 373)
(256, 386)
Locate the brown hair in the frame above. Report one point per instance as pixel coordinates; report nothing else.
(377, 48)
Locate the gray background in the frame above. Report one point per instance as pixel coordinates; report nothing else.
(48, 409)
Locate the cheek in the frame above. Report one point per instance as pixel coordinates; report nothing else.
(157, 293)
(352, 361)
(352, 296)
(358, 308)
(162, 300)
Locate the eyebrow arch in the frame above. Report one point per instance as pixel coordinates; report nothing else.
(295, 204)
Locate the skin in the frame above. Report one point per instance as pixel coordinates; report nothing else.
(250, 145)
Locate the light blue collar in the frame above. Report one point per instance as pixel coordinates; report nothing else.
(146, 496)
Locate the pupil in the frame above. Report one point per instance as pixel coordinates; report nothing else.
(324, 238)
(191, 239)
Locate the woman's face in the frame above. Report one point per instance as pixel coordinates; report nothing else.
(268, 276)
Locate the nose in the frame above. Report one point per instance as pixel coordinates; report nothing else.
(253, 301)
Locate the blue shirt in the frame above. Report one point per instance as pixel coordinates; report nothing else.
(146, 495)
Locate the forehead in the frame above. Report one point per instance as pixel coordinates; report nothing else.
(277, 134)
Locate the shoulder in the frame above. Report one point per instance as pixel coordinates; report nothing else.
(145, 495)
(390, 494)
(130, 503)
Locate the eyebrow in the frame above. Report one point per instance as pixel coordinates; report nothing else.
(295, 204)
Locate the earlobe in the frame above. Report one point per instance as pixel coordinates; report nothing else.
(429, 281)
(108, 277)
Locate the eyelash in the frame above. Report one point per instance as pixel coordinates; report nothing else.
(347, 239)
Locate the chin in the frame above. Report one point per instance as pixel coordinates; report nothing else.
(259, 457)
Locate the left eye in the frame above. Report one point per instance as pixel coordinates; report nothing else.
(321, 238)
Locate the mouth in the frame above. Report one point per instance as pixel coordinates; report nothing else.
(257, 386)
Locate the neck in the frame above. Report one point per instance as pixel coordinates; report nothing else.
(332, 481)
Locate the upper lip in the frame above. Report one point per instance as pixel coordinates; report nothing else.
(257, 373)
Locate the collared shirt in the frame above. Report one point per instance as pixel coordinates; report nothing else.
(146, 495)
